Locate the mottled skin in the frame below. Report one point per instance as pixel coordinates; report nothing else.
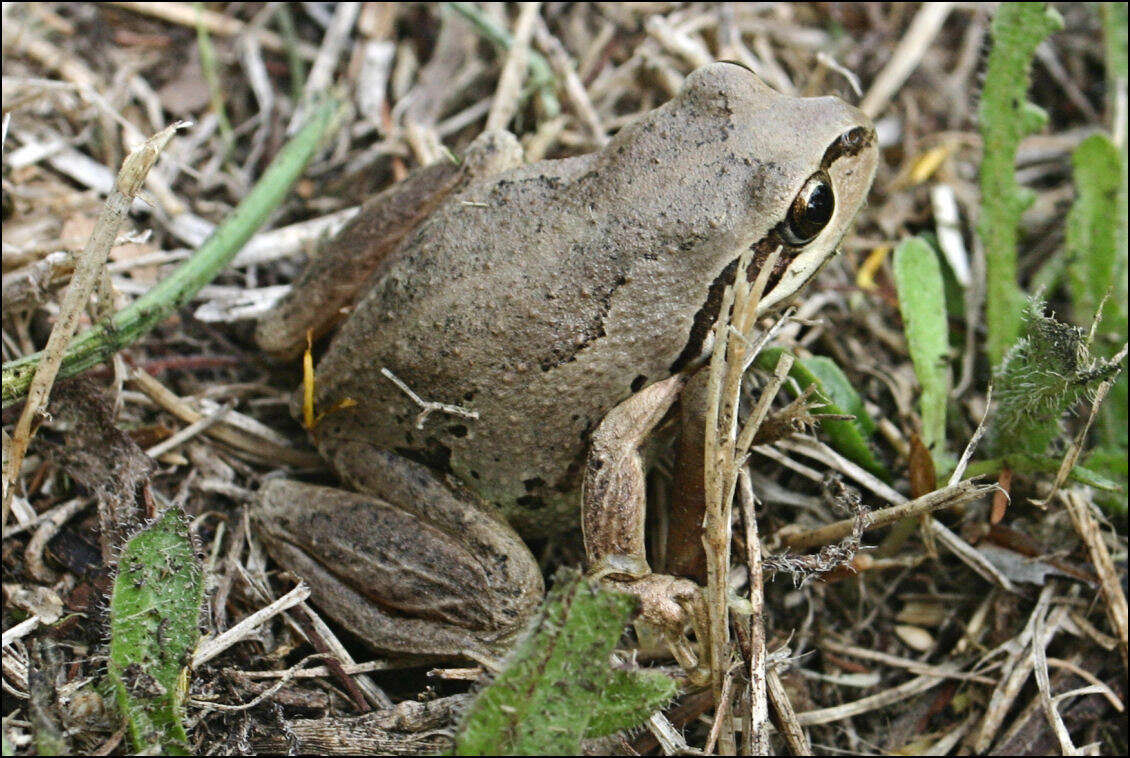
(543, 296)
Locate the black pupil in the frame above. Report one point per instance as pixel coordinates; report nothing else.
(820, 204)
(812, 209)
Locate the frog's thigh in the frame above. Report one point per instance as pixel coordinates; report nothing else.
(340, 274)
(457, 585)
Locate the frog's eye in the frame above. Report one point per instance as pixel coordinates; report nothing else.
(811, 210)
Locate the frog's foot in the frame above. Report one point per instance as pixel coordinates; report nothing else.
(438, 577)
(670, 604)
(614, 508)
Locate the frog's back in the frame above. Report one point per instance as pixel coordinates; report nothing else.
(506, 302)
(541, 297)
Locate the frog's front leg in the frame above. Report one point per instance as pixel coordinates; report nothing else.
(614, 508)
(410, 566)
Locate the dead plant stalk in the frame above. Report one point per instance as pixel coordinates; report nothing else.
(87, 274)
(724, 455)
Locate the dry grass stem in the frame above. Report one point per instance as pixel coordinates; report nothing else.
(791, 729)
(1087, 527)
(88, 272)
(906, 57)
(209, 649)
(731, 345)
(756, 733)
(857, 708)
(190, 431)
(505, 103)
(320, 77)
(947, 497)
(189, 14)
(248, 439)
(429, 406)
(915, 667)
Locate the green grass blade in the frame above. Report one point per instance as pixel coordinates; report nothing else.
(922, 302)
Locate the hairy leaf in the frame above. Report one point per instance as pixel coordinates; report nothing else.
(154, 614)
(1006, 118)
(922, 302)
(558, 686)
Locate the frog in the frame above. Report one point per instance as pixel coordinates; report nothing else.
(509, 334)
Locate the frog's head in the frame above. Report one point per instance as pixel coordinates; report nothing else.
(813, 159)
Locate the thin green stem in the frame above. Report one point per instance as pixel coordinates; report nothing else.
(210, 67)
(293, 57)
(541, 75)
(127, 325)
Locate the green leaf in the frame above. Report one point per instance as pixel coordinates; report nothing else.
(154, 614)
(629, 698)
(1109, 465)
(846, 437)
(558, 686)
(839, 390)
(922, 302)
(1046, 372)
(1092, 232)
(1006, 118)
(1096, 249)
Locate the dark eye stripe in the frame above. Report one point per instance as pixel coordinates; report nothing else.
(849, 143)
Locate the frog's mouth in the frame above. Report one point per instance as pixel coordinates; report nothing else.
(696, 348)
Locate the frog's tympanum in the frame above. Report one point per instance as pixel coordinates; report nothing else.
(554, 300)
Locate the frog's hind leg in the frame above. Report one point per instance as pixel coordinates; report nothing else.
(344, 267)
(336, 277)
(408, 566)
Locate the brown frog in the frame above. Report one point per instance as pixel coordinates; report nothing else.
(540, 300)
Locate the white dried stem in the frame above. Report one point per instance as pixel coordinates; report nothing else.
(209, 649)
(88, 270)
(509, 88)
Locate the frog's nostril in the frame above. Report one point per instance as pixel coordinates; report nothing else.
(852, 142)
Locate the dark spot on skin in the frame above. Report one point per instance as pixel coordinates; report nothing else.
(567, 351)
(436, 455)
(531, 502)
(457, 430)
(533, 483)
(638, 383)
